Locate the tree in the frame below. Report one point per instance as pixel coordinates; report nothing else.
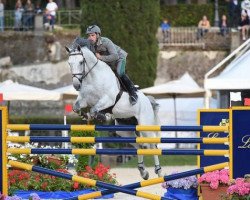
(201, 1)
(169, 2)
(70, 4)
(131, 24)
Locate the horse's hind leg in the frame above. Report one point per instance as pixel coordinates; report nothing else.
(157, 162)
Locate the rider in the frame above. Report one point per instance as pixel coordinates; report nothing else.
(113, 55)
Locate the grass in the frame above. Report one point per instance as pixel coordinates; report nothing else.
(170, 160)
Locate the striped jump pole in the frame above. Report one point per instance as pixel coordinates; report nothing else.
(119, 151)
(86, 181)
(155, 181)
(23, 127)
(116, 140)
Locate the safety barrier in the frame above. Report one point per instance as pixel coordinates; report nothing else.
(116, 140)
(239, 146)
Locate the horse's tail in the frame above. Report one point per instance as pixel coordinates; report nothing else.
(155, 107)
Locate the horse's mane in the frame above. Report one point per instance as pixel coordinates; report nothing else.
(82, 42)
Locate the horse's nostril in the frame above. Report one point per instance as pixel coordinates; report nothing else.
(76, 84)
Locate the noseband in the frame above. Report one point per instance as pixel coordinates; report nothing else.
(82, 74)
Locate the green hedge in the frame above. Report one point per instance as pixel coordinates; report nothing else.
(83, 160)
(131, 24)
(190, 14)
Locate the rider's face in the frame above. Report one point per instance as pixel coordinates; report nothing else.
(92, 37)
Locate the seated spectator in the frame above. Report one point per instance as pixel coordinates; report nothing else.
(223, 25)
(165, 28)
(203, 27)
(244, 25)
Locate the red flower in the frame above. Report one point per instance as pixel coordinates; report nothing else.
(76, 185)
(44, 185)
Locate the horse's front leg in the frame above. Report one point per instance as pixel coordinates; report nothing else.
(102, 104)
(79, 104)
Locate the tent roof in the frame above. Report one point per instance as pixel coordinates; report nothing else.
(234, 76)
(15, 91)
(185, 86)
(68, 92)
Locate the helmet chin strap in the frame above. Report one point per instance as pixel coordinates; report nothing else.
(98, 36)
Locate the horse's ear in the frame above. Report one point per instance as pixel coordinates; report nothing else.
(67, 49)
(79, 48)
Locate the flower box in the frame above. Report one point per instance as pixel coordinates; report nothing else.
(25, 194)
(182, 188)
(181, 194)
(208, 193)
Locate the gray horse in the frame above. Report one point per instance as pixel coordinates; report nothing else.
(99, 89)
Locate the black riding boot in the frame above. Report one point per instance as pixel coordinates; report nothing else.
(131, 89)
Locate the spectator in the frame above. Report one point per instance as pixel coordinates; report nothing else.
(51, 9)
(245, 6)
(38, 9)
(165, 28)
(244, 25)
(18, 15)
(28, 15)
(234, 13)
(1, 16)
(203, 27)
(223, 25)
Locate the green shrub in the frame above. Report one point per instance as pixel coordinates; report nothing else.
(83, 160)
(43, 120)
(190, 14)
(132, 25)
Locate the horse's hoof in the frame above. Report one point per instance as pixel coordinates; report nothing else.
(158, 170)
(76, 108)
(100, 117)
(145, 175)
(159, 173)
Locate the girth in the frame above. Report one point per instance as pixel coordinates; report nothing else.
(109, 109)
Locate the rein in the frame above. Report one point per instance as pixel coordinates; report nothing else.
(90, 69)
(83, 74)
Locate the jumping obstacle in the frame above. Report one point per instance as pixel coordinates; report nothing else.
(112, 188)
(116, 140)
(239, 125)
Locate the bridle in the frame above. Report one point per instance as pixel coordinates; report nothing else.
(83, 74)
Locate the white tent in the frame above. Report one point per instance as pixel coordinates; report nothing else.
(185, 86)
(15, 91)
(67, 92)
(234, 77)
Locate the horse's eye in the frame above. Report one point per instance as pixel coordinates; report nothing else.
(81, 63)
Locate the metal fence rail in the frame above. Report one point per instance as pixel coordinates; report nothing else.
(188, 36)
(66, 18)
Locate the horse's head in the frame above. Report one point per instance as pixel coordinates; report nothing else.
(81, 60)
(77, 65)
